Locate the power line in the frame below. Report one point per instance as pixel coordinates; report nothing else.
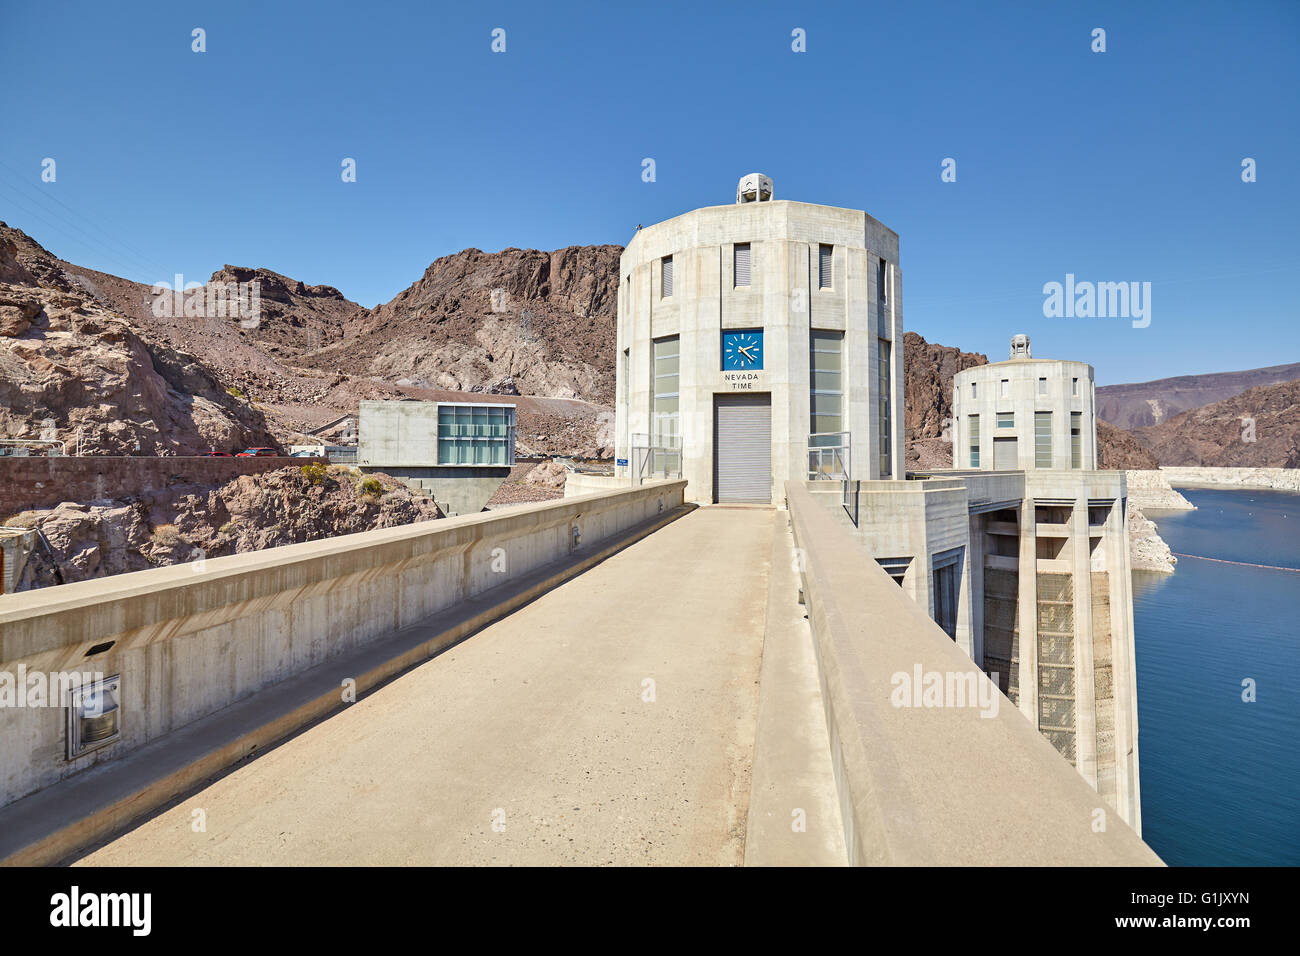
(117, 242)
(85, 237)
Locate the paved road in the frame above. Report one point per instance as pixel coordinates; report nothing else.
(529, 743)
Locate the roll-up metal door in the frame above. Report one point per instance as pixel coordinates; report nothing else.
(1004, 454)
(742, 448)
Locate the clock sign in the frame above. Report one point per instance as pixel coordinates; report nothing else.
(742, 351)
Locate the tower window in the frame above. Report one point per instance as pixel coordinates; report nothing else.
(1076, 439)
(667, 276)
(1042, 439)
(825, 266)
(740, 260)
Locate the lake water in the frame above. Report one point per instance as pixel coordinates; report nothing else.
(1220, 778)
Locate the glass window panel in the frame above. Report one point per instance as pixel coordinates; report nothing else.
(825, 423)
(665, 347)
(826, 404)
(825, 361)
(826, 381)
(666, 405)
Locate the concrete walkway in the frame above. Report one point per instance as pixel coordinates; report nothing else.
(611, 721)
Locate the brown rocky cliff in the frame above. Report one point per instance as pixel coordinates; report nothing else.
(1120, 450)
(187, 523)
(67, 364)
(928, 371)
(543, 319)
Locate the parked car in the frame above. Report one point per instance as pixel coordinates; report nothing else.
(303, 454)
(216, 454)
(258, 453)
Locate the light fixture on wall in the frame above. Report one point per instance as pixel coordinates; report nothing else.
(94, 716)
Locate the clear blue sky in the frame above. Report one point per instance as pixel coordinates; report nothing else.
(1120, 166)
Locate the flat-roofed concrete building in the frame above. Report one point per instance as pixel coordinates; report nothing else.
(760, 342)
(458, 452)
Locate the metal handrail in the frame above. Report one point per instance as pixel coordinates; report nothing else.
(830, 461)
(649, 460)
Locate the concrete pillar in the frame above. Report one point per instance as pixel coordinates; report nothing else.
(1127, 788)
(1028, 612)
(1085, 688)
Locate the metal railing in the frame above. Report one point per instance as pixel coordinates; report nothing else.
(829, 456)
(31, 448)
(661, 460)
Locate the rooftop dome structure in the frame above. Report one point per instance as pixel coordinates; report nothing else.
(754, 187)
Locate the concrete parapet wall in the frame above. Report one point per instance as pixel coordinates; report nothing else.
(933, 785)
(30, 483)
(576, 483)
(189, 642)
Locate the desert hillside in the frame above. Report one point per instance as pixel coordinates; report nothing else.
(533, 327)
(1139, 404)
(1260, 428)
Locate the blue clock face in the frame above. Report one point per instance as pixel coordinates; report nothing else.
(742, 351)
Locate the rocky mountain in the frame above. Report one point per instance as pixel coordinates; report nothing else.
(544, 320)
(1259, 428)
(928, 371)
(186, 523)
(527, 323)
(518, 321)
(1121, 451)
(68, 364)
(1140, 404)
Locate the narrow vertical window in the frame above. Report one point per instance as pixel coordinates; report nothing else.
(825, 266)
(1042, 386)
(741, 262)
(974, 440)
(1074, 386)
(667, 276)
(825, 369)
(666, 418)
(974, 392)
(1004, 388)
(886, 395)
(1076, 439)
(1042, 439)
(882, 284)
